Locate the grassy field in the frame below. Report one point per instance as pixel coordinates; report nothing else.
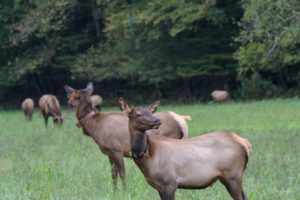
(62, 163)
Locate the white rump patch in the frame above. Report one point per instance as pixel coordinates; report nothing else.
(182, 123)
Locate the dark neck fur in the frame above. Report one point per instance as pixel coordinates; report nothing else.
(139, 144)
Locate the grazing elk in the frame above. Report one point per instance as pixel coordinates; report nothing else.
(96, 101)
(49, 106)
(28, 107)
(220, 95)
(110, 129)
(194, 163)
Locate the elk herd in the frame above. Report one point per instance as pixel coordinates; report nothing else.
(158, 143)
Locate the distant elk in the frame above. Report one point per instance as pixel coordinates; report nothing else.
(96, 101)
(220, 95)
(49, 106)
(28, 107)
(194, 163)
(110, 129)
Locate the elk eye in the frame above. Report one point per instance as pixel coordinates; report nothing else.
(138, 114)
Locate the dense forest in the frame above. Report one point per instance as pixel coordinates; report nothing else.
(177, 50)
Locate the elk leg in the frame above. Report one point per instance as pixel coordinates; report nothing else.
(234, 187)
(98, 108)
(114, 172)
(119, 161)
(167, 193)
(30, 116)
(45, 117)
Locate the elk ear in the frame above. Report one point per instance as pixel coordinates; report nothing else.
(124, 106)
(153, 106)
(69, 90)
(90, 88)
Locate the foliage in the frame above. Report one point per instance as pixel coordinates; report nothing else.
(171, 47)
(157, 41)
(270, 41)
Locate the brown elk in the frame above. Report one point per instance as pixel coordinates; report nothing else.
(194, 163)
(110, 129)
(96, 101)
(49, 106)
(220, 95)
(28, 107)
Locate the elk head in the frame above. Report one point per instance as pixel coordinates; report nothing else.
(141, 119)
(58, 119)
(75, 97)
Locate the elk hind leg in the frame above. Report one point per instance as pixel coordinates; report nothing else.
(167, 193)
(234, 188)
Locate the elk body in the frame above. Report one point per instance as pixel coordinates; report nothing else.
(49, 106)
(220, 95)
(28, 107)
(96, 101)
(110, 129)
(194, 163)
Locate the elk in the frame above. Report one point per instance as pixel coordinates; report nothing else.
(194, 163)
(96, 101)
(28, 107)
(49, 106)
(110, 129)
(220, 95)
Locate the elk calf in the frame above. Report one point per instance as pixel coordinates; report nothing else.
(194, 163)
(110, 129)
(96, 101)
(220, 95)
(49, 106)
(28, 107)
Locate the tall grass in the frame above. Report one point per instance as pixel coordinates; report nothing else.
(62, 163)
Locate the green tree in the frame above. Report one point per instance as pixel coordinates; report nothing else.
(270, 42)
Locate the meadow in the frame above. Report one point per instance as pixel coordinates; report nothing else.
(62, 163)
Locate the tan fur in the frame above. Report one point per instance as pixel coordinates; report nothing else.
(182, 119)
(49, 106)
(28, 107)
(96, 101)
(193, 163)
(220, 95)
(244, 142)
(186, 117)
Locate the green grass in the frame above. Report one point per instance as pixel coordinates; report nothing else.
(62, 163)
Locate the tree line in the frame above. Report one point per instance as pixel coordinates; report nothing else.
(177, 49)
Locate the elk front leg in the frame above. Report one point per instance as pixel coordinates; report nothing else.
(119, 161)
(114, 172)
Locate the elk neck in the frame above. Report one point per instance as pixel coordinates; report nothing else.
(139, 143)
(84, 108)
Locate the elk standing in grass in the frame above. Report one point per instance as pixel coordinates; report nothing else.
(96, 102)
(49, 106)
(28, 107)
(110, 129)
(220, 95)
(195, 163)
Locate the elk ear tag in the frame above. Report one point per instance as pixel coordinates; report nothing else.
(153, 106)
(68, 89)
